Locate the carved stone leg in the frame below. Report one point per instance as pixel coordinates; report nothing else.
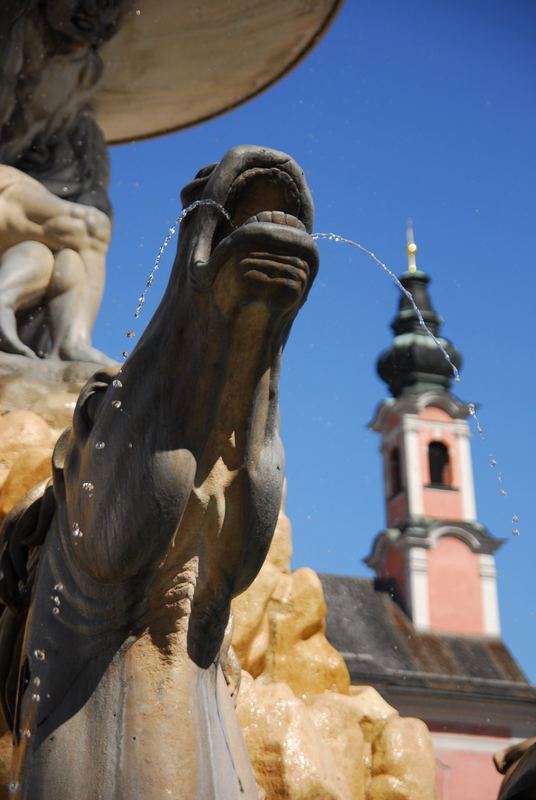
(73, 305)
(25, 272)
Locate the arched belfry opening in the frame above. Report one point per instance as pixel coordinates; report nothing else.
(439, 464)
(395, 472)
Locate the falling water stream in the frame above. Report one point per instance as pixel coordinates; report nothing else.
(318, 236)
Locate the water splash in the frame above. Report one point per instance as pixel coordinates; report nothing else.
(492, 461)
(167, 239)
(480, 430)
(328, 236)
(76, 531)
(335, 237)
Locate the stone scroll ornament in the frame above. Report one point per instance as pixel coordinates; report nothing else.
(54, 172)
(117, 578)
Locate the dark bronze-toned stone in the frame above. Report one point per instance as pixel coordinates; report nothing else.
(54, 206)
(50, 67)
(518, 765)
(118, 578)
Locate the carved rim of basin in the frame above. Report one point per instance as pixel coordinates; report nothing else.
(175, 64)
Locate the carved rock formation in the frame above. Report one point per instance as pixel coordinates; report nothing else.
(310, 734)
(279, 625)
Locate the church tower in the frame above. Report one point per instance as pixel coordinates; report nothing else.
(434, 554)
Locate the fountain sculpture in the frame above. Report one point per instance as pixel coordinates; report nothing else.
(118, 577)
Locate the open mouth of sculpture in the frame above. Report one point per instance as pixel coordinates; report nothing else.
(268, 226)
(262, 195)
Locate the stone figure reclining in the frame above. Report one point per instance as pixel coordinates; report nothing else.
(117, 578)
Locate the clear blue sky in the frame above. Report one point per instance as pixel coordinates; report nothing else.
(404, 109)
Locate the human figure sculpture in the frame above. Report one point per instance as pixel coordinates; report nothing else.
(50, 68)
(52, 265)
(118, 577)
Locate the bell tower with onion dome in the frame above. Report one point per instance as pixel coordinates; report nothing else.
(437, 556)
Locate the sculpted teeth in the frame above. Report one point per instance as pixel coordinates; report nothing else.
(277, 217)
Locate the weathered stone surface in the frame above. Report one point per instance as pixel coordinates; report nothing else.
(31, 467)
(20, 430)
(403, 762)
(26, 444)
(5, 761)
(316, 747)
(250, 609)
(290, 757)
(375, 711)
(279, 631)
(309, 734)
(298, 651)
(48, 387)
(337, 718)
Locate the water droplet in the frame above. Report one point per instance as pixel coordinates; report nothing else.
(515, 517)
(40, 655)
(130, 445)
(13, 787)
(493, 462)
(56, 600)
(138, 12)
(116, 383)
(55, 611)
(516, 531)
(124, 354)
(25, 733)
(503, 492)
(88, 487)
(58, 587)
(36, 698)
(100, 445)
(471, 408)
(116, 403)
(131, 334)
(75, 530)
(37, 681)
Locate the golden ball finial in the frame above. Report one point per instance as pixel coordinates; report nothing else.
(412, 248)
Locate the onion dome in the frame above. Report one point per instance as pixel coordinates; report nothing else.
(414, 363)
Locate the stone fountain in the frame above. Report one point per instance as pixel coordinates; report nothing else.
(118, 669)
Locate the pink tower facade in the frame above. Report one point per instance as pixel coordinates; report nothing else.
(436, 557)
(433, 541)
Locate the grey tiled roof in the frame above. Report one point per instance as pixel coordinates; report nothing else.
(380, 645)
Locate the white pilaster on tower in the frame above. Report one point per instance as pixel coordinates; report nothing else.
(417, 566)
(467, 486)
(490, 603)
(412, 466)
